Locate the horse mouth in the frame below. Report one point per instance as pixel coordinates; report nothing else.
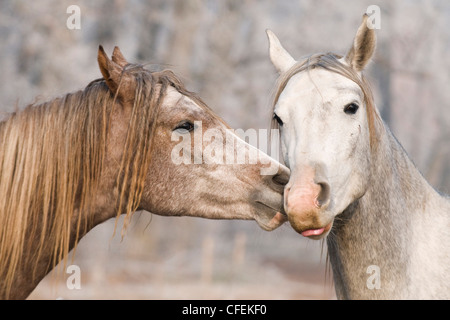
(318, 233)
(273, 219)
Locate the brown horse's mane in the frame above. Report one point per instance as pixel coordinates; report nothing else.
(330, 61)
(51, 158)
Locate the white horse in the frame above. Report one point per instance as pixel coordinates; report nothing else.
(387, 229)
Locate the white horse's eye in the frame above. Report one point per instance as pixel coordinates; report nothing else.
(351, 108)
(278, 119)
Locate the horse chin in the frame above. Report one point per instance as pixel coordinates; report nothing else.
(271, 224)
(317, 234)
(314, 232)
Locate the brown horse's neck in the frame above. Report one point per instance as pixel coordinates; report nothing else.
(371, 246)
(73, 141)
(29, 275)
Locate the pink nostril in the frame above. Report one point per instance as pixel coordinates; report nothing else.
(316, 203)
(303, 198)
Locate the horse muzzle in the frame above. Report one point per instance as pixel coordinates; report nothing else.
(306, 199)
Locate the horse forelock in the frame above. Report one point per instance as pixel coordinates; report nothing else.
(330, 61)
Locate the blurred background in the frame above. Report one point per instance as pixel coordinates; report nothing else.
(220, 50)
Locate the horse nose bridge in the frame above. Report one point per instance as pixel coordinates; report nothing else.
(320, 170)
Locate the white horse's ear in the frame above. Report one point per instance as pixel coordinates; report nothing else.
(363, 46)
(280, 58)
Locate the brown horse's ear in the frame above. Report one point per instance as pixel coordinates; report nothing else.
(363, 46)
(114, 75)
(118, 57)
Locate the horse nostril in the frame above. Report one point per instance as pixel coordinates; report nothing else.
(280, 179)
(324, 195)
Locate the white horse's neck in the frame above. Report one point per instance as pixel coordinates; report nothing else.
(394, 239)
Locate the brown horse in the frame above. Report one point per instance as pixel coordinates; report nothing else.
(71, 163)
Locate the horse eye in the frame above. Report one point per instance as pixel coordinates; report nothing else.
(186, 125)
(351, 108)
(278, 119)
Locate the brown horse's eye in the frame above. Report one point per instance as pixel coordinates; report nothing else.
(185, 125)
(351, 108)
